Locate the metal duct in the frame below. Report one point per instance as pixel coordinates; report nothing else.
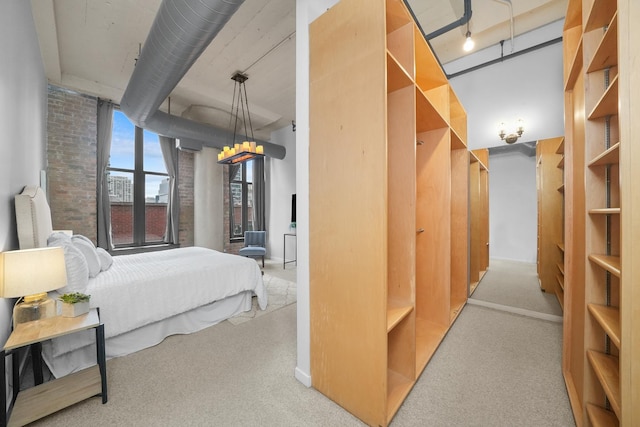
(466, 16)
(180, 33)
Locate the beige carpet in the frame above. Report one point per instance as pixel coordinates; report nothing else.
(515, 284)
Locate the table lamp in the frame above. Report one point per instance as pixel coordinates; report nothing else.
(31, 273)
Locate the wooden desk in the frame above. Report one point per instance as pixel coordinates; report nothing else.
(47, 398)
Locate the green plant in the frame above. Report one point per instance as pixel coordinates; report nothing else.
(74, 297)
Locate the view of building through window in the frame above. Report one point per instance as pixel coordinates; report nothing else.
(241, 188)
(128, 176)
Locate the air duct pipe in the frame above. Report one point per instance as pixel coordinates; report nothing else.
(466, 16)
(180, 33)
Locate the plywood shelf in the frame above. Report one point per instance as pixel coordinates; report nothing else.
(560, 298)
(561, 268)
(607, 370)
(427, 116)
(395, 314)
(428, 337)
(606, 54)
(609, 263)
(560, 280)
(608, 103)
(609, 319)
(561, 246)
(397, 77)
(600, 417)
(601, 13)
(575, 67)
(609, 157)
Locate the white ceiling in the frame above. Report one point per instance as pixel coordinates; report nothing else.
(92, 46)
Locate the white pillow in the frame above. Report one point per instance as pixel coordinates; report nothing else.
(77, 270)
(89, 251)
(58, 239)
(105, 259)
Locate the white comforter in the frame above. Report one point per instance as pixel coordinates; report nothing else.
(145, 288)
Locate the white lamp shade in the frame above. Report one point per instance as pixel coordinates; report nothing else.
(31, 271)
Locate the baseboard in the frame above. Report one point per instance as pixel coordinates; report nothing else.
(516, 310)
(303, 377)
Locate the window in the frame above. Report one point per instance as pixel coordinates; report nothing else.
(138, 185)
(241, 206)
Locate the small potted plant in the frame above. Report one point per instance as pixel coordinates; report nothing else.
(74, 304)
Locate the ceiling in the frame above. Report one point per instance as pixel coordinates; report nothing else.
(92, 47)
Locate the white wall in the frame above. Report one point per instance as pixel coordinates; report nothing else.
(281, 184)
(528, 86)
(513, 214)
(208, 200)
(23, 105)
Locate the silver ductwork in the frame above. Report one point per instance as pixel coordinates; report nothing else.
(180, 33)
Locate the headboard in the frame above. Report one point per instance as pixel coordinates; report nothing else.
(33, 218)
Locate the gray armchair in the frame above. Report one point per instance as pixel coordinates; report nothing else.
(254, 244)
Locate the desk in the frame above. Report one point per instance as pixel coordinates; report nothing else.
(46, 398)
(284, 250)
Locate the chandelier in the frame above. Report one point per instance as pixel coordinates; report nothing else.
(238, 152)
(512, 137)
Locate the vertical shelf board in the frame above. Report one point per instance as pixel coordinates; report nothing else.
(401, 194)
(573, 356)
(608, 103)
(433, 214)
(606, 54)
(606, 369)
(459, 230)
(429, 75)
(401, 356)
(343, 333)
(609, 319)
(600, 417)
(457, 116)
(629, 33)
(474, 222)
(400, 45)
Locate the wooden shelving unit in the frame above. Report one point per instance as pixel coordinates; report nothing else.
(600, 348)
(388, 199)
(479, 216)
(549, 181)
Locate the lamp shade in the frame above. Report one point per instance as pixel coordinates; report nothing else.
(31, 271)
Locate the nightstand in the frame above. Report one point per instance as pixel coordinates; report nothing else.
(47, 398)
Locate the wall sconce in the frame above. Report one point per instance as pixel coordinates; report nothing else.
(511, 137)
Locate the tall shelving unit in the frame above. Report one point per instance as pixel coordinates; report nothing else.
(560, 236)
(550, 189)
(388, 201)
(479, 212)
(601, 345)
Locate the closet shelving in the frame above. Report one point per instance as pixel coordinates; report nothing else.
(386, 167)
(479, 216)
(597, 349)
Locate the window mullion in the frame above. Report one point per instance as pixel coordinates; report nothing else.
(139, 190)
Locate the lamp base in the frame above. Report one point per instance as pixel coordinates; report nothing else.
(34, 309)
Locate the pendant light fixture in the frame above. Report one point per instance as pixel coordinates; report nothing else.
(468, 43)
(241, 151)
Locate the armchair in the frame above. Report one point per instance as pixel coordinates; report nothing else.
(254, 244)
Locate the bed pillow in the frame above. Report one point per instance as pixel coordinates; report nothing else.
(105, 259)
(77, 269)
(89, 251)
(58, 239)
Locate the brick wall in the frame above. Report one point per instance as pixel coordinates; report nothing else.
(185, 193)
(72, 165)
(71, 158)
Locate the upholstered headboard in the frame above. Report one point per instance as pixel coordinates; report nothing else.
(33, 218)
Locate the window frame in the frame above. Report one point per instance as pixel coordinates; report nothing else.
(244, 200)
(139, 196)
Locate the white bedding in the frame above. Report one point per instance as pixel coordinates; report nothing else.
(145, 288)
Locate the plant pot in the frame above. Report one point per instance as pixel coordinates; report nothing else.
(75, 310)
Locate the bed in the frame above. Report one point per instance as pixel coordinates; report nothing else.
(143, 298)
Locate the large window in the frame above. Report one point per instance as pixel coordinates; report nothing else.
(241, 206)
(138, 185)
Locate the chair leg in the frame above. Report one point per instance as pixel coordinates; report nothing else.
(262, 261)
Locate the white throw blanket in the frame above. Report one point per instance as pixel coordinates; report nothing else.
(145, 288)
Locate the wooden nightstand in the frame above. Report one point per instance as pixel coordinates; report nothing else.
(47, 398)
